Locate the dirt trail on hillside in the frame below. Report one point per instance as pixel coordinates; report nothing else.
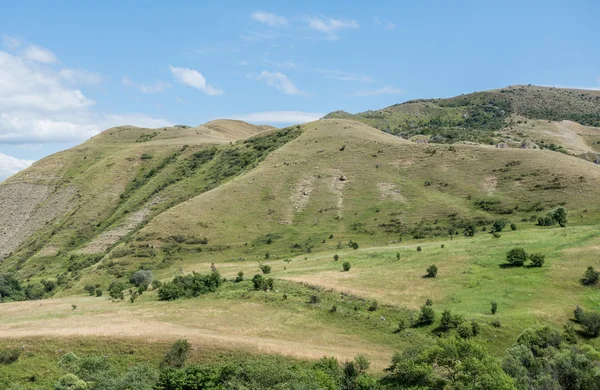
(201, 325)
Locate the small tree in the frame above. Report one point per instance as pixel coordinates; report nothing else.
(591, 323)
(590, 277)
(419, 249)
(476, 328)
(516, 256)
(336, 257)
(559, 215)
(470, 230)
(431, 271)
(374, 306)
(346, 266)
(266, 269)
(353, 245)
(397, 255)
(494, 307)
(498, 225)
(90, 289)
(142, 277)
(537, 259)
(240, 277)
(465, 330)
(427, 315)
(177, 355)
(258, 281)
(578, 313)
(513, 226)
(115, 290)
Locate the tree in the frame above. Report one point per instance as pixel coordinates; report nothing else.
(590, 277)
(431, 271)
(426, 316)
(537, 259)
(590, 322)
(142, 277)
(266, 269)
(177, 354)
(470, 230)
(346, 266)
(498, 225)
(336, 257)
(516, 256)
(559, 215)
(258, 281)
(494, 307)
(465, 330)
(115, 290)
(239, 277)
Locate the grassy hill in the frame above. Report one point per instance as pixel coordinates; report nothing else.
(233, 196)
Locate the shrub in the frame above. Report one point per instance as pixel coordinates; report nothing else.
(496, 235)
(314, 299)
(428, 302)
(465, 330)
(90, 289)
(516, 256)
(239, 277)
(258, 281)
(537, 259)
(590, 322)
(419, 249)
(476, 328)
(177, 355)
(8, 356)
(401, 325)
(266, 269)
(142, 277)
(189, 286)
(578, 314)
(353, 245)
(374, 306)
(115, 290)
(346, 266)
(426, 316)
(559, 215)
(513, 226)
(336, 257)
(431, 271)
(498, 225)
(397, 255)
(590, 277)
(496, 324)
(98, 292)
(470, 230)
(494, 307)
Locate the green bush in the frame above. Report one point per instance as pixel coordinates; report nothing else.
(590, 277)
(516, 257)
(431, 271)
(115, 290)
(189, 286)
(142, 277)
(177, 355)
(494, 307)
(590, 322)
(374, 306)
(8, 356)
(266, 269)
(336, 257)
(419, 249)
(498, 226)
(239, 277)
(537, 259)
(465, 330)
(346, 266)
(426, 316)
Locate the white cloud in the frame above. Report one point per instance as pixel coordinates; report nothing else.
(80, 76)
(278, 80)
(343, 76)
(330, 26)
(254, 36)
(39, 105)
(243, 63)
(10, 43)
(158, 86)
(10, 165)
(285, 64)
(280, 117)
(390, 26)
(387, 90)
(194, 79)
(39, 54)
(270, 19)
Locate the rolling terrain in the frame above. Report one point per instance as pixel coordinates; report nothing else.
(391, 192)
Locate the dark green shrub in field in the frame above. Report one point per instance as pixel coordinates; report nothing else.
(426, 316)
(8, 356)
(516, 257)
(374, 306)
(590, 322)
(115, 290)
(239, 277)
(431, 271)
(465, 330)
(190, 286)
(177, 355)
(470, 230)
(578, 313)
(590, 277)
(98, 292)
(559, 215)
(156, 284)
(266, 269)
(346, 266)
(353, 245)
(498, 226)
(513, 226)
(475, 327)
(494, 307)
(537, 259)
(419, 249)
(314, 299)
(336, 257)
(90, 289)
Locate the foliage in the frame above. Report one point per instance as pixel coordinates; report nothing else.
(494, 307)
(189, 286)
(498, 225)
(115, 290)
(537, 259)
(431, 271)
(516, 256)
(266, 269)
(262, 283)
(177, 355)
(346, 266)
(141, 278)
(8, 356)
(590, 277)
(426, 316)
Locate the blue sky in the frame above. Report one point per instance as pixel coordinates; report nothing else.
(69, 69)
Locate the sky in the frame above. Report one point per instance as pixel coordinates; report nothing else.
(71, 69)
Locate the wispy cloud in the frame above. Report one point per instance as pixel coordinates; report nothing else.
(387, 90)
(194, 79)
(156, 87)
(279, 81)
(285, 64)
(10, 43)
(80, 76)
(379, 23)
(255, 36)
(344, 76)
(39, 54)
(285, 117)
(390, 26)
(330, 26)
(270, 19)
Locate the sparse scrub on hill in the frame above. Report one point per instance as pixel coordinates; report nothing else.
(516, 257)
(115, 290)
(189, 286)
(346, 266)
(266, 269)
(177, 355)
(537, 259)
